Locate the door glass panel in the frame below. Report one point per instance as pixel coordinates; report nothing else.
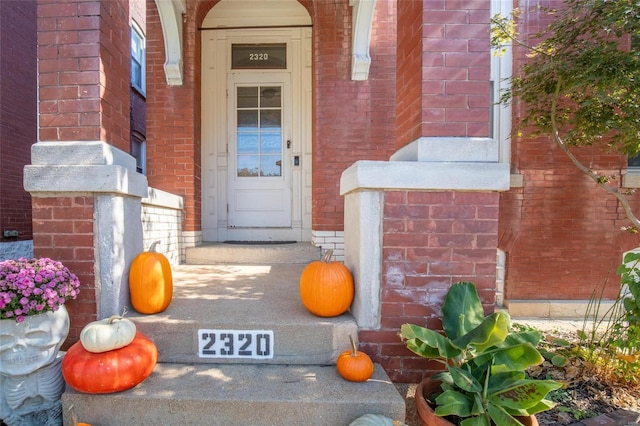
(270, 97)
(271, 165)
(248, 165)
(270, 143)
(259, 131)
(270, 119)
(247, 97)
(247, 143)
(247, 120)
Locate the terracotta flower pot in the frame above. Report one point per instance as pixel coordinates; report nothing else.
(427, 415)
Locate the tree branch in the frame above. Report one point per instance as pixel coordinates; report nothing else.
(586, 170)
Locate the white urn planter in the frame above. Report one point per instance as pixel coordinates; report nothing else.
(31, 381)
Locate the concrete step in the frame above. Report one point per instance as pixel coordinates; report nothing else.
(228, 395)
(297, 385)
(252, 254)
(244, 297)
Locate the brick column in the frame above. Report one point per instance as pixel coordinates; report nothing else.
(443, 70)
(86, 192)
(427, 218)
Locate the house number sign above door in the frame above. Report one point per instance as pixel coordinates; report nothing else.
(253, 344)
(259, 56)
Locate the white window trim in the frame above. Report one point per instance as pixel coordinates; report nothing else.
(135, 29)
(501, 72)
(142, 154)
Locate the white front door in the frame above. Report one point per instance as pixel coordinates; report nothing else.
(256, 134)
(259, 147)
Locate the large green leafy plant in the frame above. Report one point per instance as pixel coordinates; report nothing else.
(485, 378)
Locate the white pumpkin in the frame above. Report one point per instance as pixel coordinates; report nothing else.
(375, 420)
(107, 334)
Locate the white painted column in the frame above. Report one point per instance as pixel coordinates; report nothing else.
(363, 252)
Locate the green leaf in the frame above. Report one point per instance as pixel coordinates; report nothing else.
(453, 403)
(462, 310)
(529, 336)
(464, 380)
(561, 342)
(490, 332)
(427, 343)
(632, 256)
(478, 406)
(523, 394)
(559, 360)
(515, 358)
(444, 377)
(483, 420)
(504, 380)
(543, 405)
(500, 417)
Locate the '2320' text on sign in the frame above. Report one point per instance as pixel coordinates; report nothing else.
(255, 344)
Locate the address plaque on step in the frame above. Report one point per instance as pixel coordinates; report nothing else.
(253, 344)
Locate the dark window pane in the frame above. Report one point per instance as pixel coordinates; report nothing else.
(633, 161)
(259, 56)
(270, 119)
(248, 120)
(247, 97)
(270, 97)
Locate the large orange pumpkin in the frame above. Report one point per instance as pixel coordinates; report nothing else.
(326, 288)
(111, 371)
(150, 282)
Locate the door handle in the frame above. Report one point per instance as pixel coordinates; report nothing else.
(288, 144)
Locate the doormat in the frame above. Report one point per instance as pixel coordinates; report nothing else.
(258, 243)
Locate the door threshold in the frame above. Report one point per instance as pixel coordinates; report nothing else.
(258, 243)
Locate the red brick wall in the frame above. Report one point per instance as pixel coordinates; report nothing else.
(115, 55)
(352, 120)
(18, 119)
(409, 82)
(173, 115)
(83, 55)
(561, 233)
(430, 241)
(63, 230)
(443, 71)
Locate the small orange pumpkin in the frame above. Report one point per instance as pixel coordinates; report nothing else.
(354, 365)
(326, 288)
(150, 282)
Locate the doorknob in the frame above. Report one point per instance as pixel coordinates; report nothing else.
(288, 144)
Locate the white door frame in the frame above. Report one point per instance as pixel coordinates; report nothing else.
(258, 201)
(216, 59)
